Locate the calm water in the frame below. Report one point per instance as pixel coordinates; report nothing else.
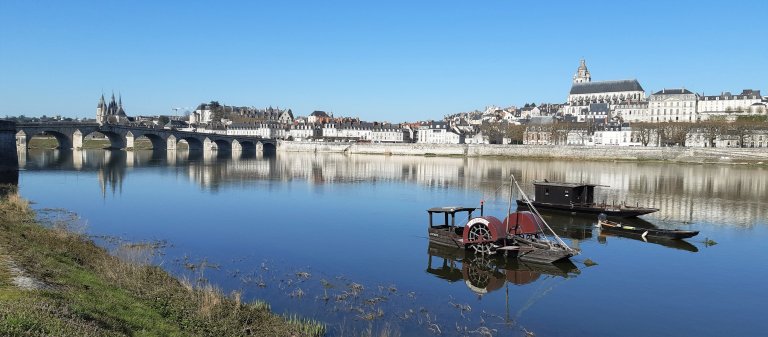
(342, 239)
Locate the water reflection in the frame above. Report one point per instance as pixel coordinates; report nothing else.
(484, 274)
(684, 193)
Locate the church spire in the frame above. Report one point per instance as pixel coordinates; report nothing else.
(582, 74)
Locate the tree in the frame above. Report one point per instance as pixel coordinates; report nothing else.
(164, 120)
(644, 132)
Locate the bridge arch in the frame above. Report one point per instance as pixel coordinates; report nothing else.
(194, 143)
(158, 142)
(221, 145)
(269, 149)
(116, 140)
(64, 140)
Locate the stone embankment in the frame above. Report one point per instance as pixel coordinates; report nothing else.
(607, 153)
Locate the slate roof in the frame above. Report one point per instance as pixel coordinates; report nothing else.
(605, 86)
(673, 92)
(318, 113)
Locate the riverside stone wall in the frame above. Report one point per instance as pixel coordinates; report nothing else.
(673, 154)
(9, 162)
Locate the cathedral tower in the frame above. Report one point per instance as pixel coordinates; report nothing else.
(101, 111)
(582, 74)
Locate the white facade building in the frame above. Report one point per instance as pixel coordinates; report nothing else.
(632, 112)
(263, 130)
(439, 133)
(388, 135)
(729, 105)
(303, 132)
(673, 105)
(615, 135)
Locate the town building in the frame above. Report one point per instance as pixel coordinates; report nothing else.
(729, 106)
(634, 112)
(615, 134)
(319, 117)
(672, 105)
(439, 133)
(303, 132)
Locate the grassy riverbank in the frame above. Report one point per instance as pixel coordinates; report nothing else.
(55, 282)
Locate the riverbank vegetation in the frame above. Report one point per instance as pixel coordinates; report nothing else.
(141, 143)
(57, 282)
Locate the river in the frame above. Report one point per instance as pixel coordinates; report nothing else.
(342, 239)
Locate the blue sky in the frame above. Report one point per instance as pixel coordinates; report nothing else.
(378, 60)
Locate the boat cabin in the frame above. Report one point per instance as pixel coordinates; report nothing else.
(449, 216)
(564, 193)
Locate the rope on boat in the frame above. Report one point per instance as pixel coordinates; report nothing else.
(530, 206)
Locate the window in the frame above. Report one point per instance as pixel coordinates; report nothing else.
(546, 191)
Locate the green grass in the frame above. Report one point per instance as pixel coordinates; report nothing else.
(89, 292)
(52, 143)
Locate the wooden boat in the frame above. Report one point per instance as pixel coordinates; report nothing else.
(645, 233)
(519, 235)
(578, 198)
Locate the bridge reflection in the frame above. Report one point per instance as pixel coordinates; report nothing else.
(735, 195)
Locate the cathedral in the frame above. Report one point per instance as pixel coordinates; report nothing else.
(111, 113)
(584, 92)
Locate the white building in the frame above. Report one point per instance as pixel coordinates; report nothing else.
(347, 132)
(672, 105)
(729, 105)
(263, 130)
(388, 134)
(615, 134)
(302, 132)
(632, 112)
(439, 133)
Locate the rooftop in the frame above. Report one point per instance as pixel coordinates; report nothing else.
(605, 86)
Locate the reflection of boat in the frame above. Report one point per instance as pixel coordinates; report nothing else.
(644, 233)
(578, 198)
(483, 274)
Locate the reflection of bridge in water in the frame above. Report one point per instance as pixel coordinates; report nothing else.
(687, 193)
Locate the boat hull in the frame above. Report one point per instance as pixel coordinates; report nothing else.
(619, 212)
(654, 233)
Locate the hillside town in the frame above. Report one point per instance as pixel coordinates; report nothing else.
(595, 113)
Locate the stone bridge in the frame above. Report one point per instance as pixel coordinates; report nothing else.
(70, 135)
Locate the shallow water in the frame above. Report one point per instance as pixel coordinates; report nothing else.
(342, 239)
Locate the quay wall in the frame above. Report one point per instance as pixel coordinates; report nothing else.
(9, 163)
(606, 153)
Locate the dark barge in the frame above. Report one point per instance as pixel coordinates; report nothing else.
(578, 198)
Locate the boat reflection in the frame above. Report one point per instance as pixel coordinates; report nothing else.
(640, 223)
(484, 274)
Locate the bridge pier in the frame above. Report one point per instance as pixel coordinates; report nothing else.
(170, 143)
(77, 140)
(9, 160)
(129, 139)
(21, 140)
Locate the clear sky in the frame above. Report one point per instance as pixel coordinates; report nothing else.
(379, 60)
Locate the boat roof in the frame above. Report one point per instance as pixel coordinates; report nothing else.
(451, 209)
(563, 184)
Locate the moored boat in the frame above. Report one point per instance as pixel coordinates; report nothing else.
(578, 198)
(654, 233)
(520, 234)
